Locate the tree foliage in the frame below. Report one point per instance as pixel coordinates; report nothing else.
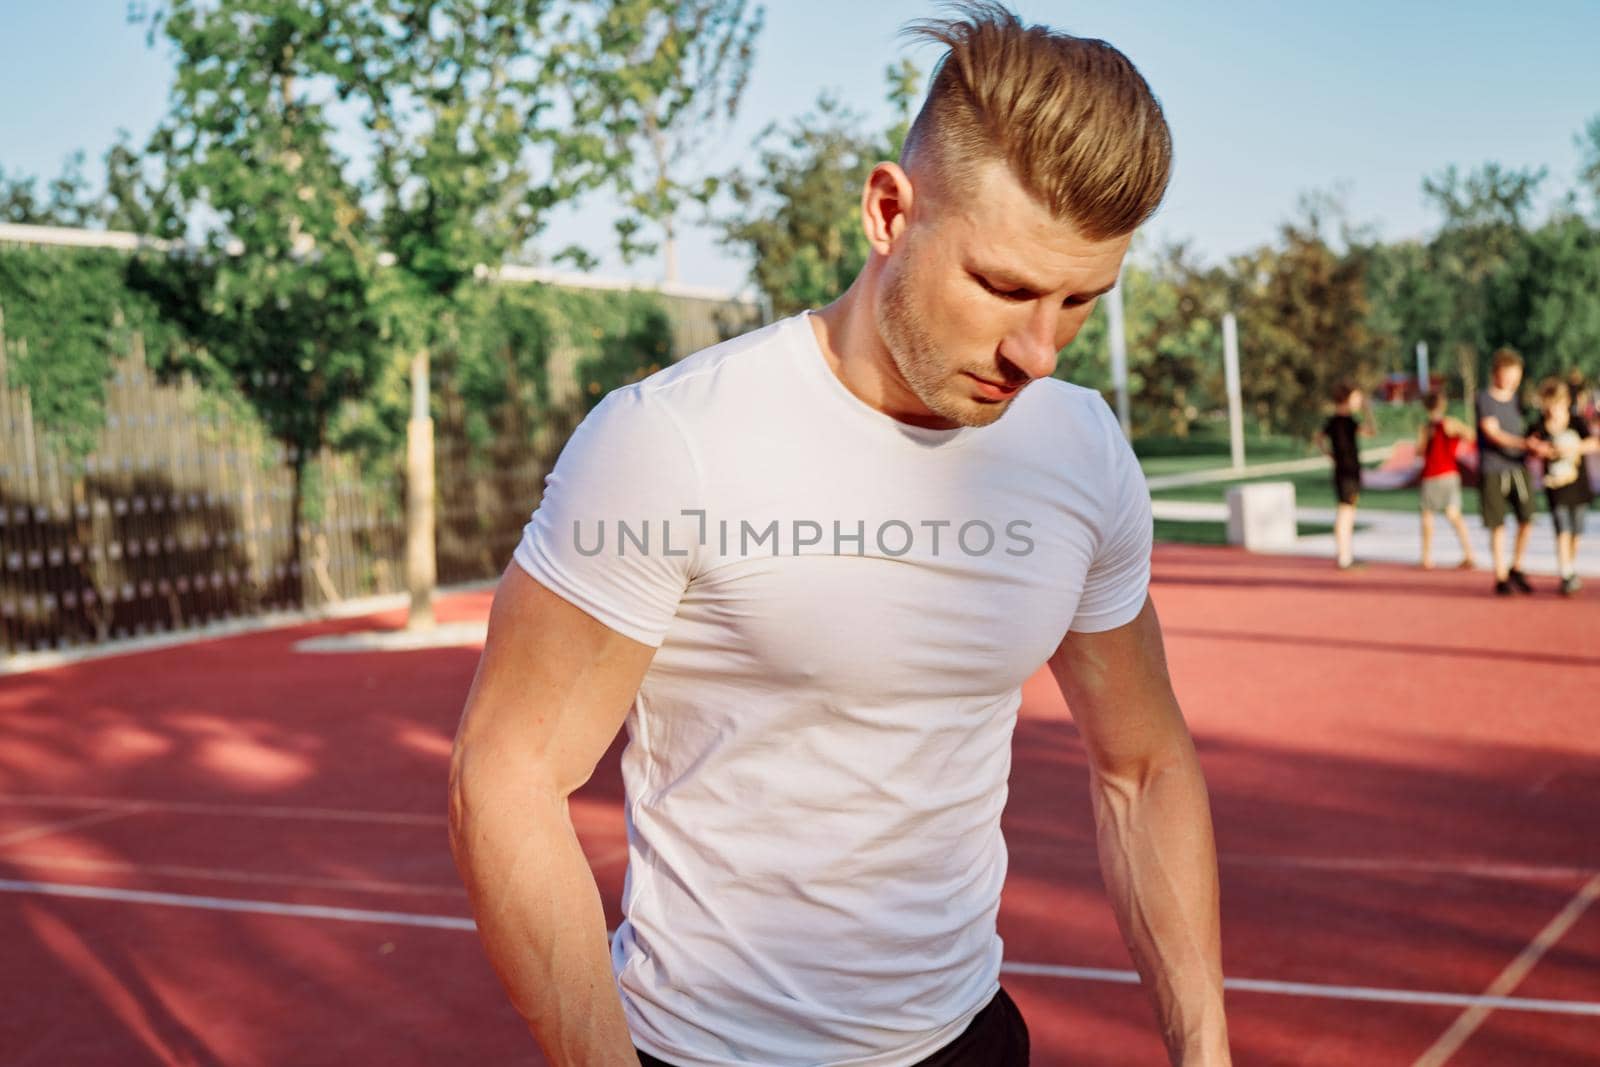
(798, 216)
(279, 301)
(658, 79)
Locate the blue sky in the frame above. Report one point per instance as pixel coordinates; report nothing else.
(1267, 100)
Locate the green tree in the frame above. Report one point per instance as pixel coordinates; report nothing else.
(66, 201)
(141, 195)
(1303, 322)
(1561, 329)
(1589, 174)
(798, 215)
(457, 100)
(280, 300)
(660, 78)
(1175, 314)
(1172, 307)
(1479, 256)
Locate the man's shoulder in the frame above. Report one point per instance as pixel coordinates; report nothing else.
(1064, 419)
(1063, 397)
(1059, 407)
(722, 375)
(734, 353)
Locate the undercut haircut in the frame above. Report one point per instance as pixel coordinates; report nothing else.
(1071, 116)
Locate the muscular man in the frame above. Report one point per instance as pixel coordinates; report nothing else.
(810, 570)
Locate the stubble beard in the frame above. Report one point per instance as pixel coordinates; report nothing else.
(921, 362)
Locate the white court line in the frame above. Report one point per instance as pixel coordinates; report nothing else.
(1464, 867)
(255, 907)
(251, 811)
(227, 874)
(1328, 992)
(1515, 872)
(33, 833)
(452, 922)
(1467, 1022)
(224, 874)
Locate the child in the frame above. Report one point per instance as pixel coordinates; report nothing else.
(1503, 486)
(1437, 442)
(1566, 482)
(1337, 439)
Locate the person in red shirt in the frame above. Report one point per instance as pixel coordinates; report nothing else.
(1437, 442)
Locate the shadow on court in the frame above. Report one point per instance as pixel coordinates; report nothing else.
(1386, 820)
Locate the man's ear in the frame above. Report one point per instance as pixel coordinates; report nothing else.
(885, 206)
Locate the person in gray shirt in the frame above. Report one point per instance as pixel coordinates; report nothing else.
(1503, 486)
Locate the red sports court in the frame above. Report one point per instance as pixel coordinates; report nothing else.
(233, 852)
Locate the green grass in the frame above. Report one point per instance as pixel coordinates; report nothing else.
(1312, 489)
(1207, 445)
(1216, 533)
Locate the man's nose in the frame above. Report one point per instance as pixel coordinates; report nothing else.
(1032, 347)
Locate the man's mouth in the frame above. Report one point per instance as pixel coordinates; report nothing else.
(993, 390)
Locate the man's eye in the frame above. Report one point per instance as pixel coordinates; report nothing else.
(1076, 301)
(1009, 294)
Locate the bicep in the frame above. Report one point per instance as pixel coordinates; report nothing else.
(1116, 684)
(552, 689)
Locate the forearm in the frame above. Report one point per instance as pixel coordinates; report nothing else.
(1159, 861)
(1508, 440)
(541, 922)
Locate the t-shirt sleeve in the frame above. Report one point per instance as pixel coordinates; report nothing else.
(1118, 579)
(609, 534)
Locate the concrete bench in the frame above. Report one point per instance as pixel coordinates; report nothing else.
(1261, 516)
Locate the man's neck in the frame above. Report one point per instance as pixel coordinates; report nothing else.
(847, 332)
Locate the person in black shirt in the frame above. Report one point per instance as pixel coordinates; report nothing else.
(1337, 439)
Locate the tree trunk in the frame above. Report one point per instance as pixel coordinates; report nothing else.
(421, 563)
(291, 589)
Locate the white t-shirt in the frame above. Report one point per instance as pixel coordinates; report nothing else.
(818, 755)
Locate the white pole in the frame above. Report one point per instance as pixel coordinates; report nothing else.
(1230, 370)
(1119, 356)
(1424, 383)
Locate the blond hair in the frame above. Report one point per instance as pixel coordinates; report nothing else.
(1072, 117)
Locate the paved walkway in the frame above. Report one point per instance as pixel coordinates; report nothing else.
(1381, 536)
(1213, 475)
(1395, 537)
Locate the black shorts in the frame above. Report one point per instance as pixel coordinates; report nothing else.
(1502, 492)
(996, 1037)
(1347, 486)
